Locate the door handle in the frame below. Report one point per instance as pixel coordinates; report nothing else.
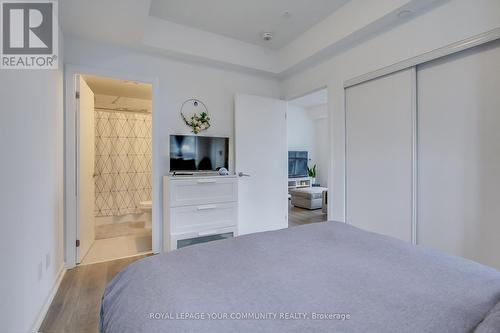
(241, 174)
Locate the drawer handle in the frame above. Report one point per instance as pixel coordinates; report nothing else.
(205, 207)
(207, 233)
(206, 181)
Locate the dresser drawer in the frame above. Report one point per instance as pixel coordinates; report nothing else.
(203, 217)
(199, 191)
(190, 238)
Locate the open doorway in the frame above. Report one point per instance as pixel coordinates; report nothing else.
(308, 158)
(114, 164)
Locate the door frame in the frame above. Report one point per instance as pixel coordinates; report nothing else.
(329, 183)
(81, 161)
(71, 157)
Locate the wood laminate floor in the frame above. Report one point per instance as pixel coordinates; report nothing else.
(299, 216)
(75, 308)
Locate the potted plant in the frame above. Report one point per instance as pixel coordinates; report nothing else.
(311, 172)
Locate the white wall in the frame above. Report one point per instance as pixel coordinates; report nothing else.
(300, 131)
(31, 199)
(183, 41)
(321, 142)
(451, 22)
(178, 81)
(319, 114)
(339, 26)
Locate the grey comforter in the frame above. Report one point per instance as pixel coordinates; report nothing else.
(324, 277)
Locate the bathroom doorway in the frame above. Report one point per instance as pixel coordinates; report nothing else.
(113, 168)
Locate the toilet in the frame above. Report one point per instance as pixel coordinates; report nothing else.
(146, 208)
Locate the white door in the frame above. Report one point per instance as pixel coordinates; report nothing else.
(261, 163)
(85, 174)
(379, 154)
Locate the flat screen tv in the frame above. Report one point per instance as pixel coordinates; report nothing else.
(198, 153)
(297, 164)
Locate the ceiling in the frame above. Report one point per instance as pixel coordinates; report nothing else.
(247, 20)
(119, 21)
(197, 30)
(113, 87)
(311, 100)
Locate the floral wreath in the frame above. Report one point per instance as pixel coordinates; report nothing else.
(197, 122)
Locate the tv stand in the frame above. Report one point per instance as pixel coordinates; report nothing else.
(299, 182)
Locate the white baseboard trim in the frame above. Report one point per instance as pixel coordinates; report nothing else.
(48, 301)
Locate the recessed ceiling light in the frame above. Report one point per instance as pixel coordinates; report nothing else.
(267, 36)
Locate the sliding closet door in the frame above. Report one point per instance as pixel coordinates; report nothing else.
(459, 154)
(379, 154)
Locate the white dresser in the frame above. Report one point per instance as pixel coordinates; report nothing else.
(198, 209)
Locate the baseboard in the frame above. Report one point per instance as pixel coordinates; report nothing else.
(48, 301)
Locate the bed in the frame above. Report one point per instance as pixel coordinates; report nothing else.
(323, 277)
